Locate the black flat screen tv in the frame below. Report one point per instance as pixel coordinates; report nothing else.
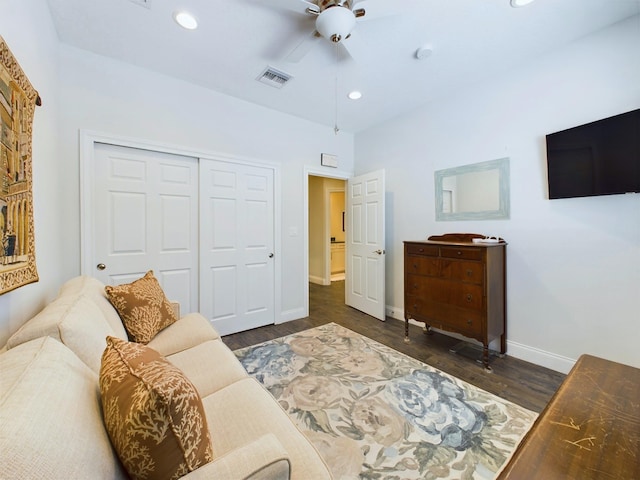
(598, 158)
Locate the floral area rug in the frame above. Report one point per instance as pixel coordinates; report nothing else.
(375, 413)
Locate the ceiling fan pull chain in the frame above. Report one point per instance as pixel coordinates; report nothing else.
(335, 128)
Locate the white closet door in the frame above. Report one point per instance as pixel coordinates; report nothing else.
(145, 217)
(236, 245)
(365, 274)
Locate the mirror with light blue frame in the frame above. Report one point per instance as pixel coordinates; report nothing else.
(479, 191)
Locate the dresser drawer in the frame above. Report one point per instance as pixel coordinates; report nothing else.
(464, 324)
(417, 249)
(429, 266)
(466, 253)
(443, 291)
(463, 271)
(445, 317)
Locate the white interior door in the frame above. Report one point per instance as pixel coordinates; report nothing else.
(145, 217)
(365, 269)
(237, 245)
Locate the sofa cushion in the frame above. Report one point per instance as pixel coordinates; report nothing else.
(152, 412)
(51, 417)
(210, 366)
(74, 320)
(244, 411)
(143, 307)
(94, 288)
(187, 332)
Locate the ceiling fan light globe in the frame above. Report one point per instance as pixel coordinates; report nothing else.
(520, 3)
(335, 23)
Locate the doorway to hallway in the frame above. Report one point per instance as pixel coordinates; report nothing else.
(364, 237)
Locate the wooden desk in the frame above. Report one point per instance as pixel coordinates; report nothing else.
(589, 430)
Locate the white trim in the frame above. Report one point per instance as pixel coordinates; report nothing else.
(319, 280)
(318, 172)
(327, 230)
(395, 312)
(97, 137)
(527, 353)
(543, 358)
(87, 140)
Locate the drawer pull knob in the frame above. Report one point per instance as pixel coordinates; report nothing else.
(469, 273)
(469, 297)
(469, 322)
(459, 252)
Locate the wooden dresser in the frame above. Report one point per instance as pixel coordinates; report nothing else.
(589, 430)
(454, 284)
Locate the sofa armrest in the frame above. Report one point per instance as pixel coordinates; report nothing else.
(262, 459)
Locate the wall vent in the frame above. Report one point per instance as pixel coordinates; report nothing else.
(273, 77)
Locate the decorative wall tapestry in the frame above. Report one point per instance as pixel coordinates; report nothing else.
(18, 100)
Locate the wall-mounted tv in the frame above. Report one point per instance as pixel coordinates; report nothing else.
(598, 158)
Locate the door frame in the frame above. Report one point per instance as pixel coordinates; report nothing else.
(327, 226)
(89, 138)
(316, 172)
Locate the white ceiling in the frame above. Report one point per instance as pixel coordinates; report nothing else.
(237, 39)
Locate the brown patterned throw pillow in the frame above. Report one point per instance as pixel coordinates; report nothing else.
(142, 306)
(153, 413)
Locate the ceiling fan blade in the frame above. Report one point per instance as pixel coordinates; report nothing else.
(355, 46)
(300, 6)
(303, 48)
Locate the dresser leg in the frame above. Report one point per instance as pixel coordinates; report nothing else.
(406, 331)
(427, 330)
(485, 358)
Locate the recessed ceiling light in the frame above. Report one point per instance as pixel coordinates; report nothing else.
(355, 95)
(185, 20)
(520, 3)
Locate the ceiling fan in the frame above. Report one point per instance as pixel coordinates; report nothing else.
(335, 21)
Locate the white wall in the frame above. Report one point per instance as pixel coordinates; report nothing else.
(574, 264)
(98, 94)
(27, 29)
(107, 96)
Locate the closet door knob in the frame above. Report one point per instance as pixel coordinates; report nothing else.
(101, 266)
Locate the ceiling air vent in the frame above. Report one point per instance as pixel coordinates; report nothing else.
(273, 77)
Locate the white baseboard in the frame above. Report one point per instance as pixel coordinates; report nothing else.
(393, 312)
(543, 358)
(527, 353)
(319, 280)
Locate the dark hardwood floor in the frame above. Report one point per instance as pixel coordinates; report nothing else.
(526, 384)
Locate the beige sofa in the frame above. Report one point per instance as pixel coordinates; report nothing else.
(51, 423)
